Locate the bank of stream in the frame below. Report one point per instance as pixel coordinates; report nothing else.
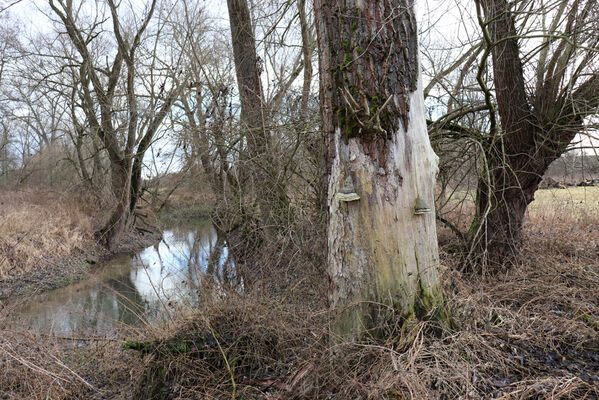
(132, 290)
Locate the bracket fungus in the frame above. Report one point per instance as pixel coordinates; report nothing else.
(347, 193)
(421, 207)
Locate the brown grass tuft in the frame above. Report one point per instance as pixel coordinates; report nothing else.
(35, 366)
(39, 226)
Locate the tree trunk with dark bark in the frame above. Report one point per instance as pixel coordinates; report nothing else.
(260, 171)
(261, 206)
(120, 220)
(534, 130)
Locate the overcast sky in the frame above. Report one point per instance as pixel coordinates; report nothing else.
(446, 25)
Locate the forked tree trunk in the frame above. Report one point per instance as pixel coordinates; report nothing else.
(515, 170)
(383, 256)
(531, 136)
(502, 199)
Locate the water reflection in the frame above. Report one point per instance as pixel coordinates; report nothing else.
(133, 289)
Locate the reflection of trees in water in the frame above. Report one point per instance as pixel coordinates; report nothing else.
(117, 302)
(131, 305)
(207, 255)
(156, 248)
(195, 258)
(171, 269)
(94, 308)
(216, 252)
(220, 266)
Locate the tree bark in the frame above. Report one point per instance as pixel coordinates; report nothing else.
(307, 51)
(268, 192)
(530, 138)
(120, 221)
(383, 256)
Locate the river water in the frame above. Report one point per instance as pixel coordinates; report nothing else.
(133, 290)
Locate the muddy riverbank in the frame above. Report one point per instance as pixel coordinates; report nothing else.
(56, 272)
(133, 289)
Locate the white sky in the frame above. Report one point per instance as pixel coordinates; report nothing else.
(450, 29)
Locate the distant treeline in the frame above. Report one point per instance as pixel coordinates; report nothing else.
(574, 167)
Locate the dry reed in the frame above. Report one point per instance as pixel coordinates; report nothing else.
(36, 227)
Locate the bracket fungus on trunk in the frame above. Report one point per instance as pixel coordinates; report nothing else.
(347, 193)
(421, 207)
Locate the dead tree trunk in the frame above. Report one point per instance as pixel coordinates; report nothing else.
(382, 243)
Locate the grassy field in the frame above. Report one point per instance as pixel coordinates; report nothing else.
(569, 204)
(575, 199)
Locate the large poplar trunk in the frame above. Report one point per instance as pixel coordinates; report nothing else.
(383, 257)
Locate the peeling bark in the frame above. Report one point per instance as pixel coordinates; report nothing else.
(383, 258)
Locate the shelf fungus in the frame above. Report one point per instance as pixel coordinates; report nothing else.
(347, 193)
(421, 207)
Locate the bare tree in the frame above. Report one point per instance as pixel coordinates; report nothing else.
(269, 193)
(9, 48)
(101, 86)
(540, 116)
(513, 104)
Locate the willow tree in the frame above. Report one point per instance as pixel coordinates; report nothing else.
(515, 102)
(538, 117)
(382, 245)
(112, 90)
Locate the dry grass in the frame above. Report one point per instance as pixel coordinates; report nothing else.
(38, 226)
(573, 201)
(33, 366)
(180, 197)
(531, 332)
(528, 333)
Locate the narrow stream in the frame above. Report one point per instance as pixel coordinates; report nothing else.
(133, 290)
